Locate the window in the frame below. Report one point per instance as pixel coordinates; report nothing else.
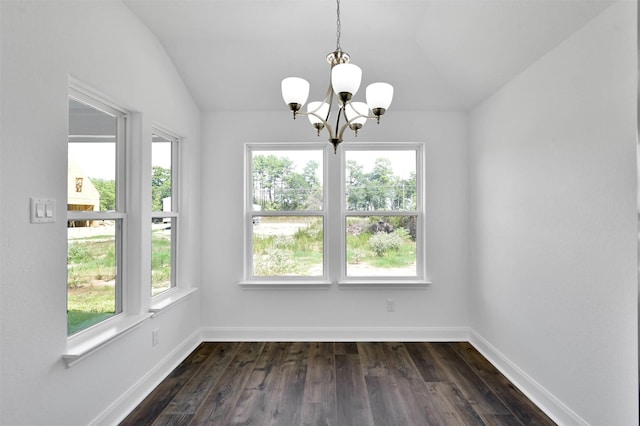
(285, 213)
(356, 218)
(164, 207)
(381, 214)
(96, 214)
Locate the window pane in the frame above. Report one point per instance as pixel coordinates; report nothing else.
(287, 246)
(91, 177)
(287, 180)
(161, 255)
(380, 180)
(381, 246)
(161, 174)
(91, 274)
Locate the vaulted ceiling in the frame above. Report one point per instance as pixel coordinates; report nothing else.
(438, 54)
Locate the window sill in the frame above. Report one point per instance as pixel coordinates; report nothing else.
(391, 283)
(85, 343)
(310, 284)
(163, 301)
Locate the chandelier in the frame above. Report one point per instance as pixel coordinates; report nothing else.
(344, 83)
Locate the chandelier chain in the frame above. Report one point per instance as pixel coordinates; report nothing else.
(338, 27)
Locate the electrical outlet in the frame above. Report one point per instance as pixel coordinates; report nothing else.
(154, 337)
(391, 305)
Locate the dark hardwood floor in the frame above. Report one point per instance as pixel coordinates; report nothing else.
(302, 383)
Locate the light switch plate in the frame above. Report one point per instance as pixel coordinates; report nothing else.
(43, 210)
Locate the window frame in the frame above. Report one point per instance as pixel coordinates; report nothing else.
(174, 213)
(335, 215)
(249, 215)
(119, 215)
(420, 277)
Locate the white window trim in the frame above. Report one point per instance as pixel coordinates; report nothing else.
(334, 204)
(250, 279)
(120, 214)
(395, 281)
(87, 341)
(168, 296)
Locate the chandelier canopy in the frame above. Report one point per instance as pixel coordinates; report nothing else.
(344, 84)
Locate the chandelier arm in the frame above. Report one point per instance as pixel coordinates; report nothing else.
(330, 130)
(342, 129)
(325, 122)
(329, 101)
(328, 98)
(340, 112)
(372, 117)
(348, 123)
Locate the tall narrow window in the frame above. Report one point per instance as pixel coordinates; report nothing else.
(96, 212)
(164, 206)
(285, 213)
(383, 213)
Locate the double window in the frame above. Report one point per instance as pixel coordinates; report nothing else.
(97, 215)
(313, 216)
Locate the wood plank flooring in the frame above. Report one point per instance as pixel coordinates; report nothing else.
(318, 383)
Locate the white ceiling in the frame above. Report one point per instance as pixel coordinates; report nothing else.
(438, 54)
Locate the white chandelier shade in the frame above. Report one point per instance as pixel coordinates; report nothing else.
(295, 90)
(346, 78)
(379, 95)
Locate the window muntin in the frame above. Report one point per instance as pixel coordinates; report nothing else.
(164, 206)
(96, 212)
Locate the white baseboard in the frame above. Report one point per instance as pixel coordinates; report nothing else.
(117, 411)
(336, 334)
(547, 402)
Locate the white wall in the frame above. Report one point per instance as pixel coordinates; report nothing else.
(104, 45)
(553, 208)
(551, 190)
(230, 311)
